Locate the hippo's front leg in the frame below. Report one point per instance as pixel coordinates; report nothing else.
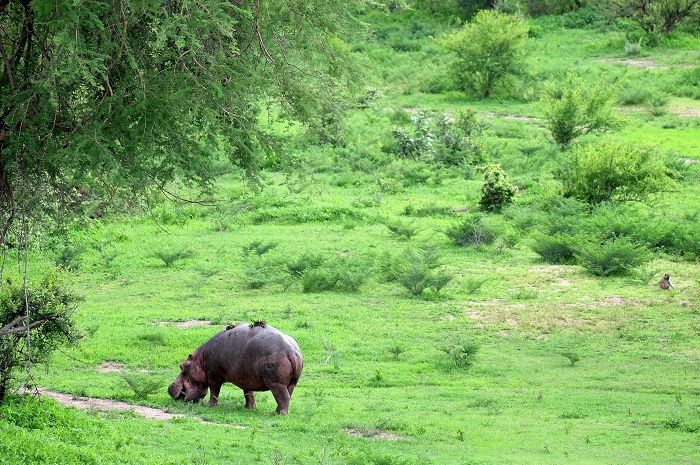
(249, 399)
(214, 390)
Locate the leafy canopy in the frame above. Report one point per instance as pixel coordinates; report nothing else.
(125, 96)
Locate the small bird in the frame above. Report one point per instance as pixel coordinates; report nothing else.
(665, 283)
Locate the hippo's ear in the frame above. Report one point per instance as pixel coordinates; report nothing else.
(186, 364)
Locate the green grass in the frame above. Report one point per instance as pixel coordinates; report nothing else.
(377, 386)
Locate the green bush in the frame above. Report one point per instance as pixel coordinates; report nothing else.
(612, 171)
(169, 257)
(497, 190)
(577, 109)
(472, 230)
(460, 352)
(635, 93)
(318, 281)
(50, 317)
(612, 257)
(401, 229)
(297, 266)
(143, 384)
(658, 103)
(556, 249)
(488, 50)
(417, 270)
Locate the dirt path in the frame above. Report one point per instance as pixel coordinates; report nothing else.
(87, 403)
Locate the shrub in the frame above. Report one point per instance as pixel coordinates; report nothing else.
(656, 18)
(169, 257)
(633, 48)
(576, 109)
(472, 285)
(418, 142)
(658, 103)
(401, 229)
(143, 384)
(497, 190)
(417, 270)
(556, 249)
(460, 352)
(296, 267)
(318, 281)
(614, 256)
(258, 248)
(256, 274)
(50, 318)
(572, 356)
(488, 49)
(634, 93)
(614, 171)
(473, 230)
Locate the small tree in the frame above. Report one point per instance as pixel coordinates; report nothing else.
(655, 17)
(575, 109)
(488, 50)
(497, 190)
(609, 170)
(32, 335)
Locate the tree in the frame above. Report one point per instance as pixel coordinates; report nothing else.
(576, 109)
(655, 17)
(121, 97)
(488, 50)
(462, 9)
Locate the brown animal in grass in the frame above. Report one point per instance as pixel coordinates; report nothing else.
(665, 283)
(254, 357)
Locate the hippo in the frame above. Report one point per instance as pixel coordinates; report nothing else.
(255, 357)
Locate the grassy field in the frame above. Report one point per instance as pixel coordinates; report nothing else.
(569, 367)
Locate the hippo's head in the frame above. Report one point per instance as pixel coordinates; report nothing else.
(192, 382)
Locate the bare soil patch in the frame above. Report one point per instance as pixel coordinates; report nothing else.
(87, 403)
(646, 63)
(375, 435)
(509, 116)
(686, 112)
(108, 366)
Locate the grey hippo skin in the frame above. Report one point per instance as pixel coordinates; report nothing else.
(254, 357)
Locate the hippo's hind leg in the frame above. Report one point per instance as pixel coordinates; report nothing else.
(282, 394)
(249, 399)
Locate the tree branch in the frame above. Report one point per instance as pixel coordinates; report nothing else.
(12, 328)
(8, 65)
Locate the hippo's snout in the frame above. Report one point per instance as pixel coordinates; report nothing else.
(177, 391)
